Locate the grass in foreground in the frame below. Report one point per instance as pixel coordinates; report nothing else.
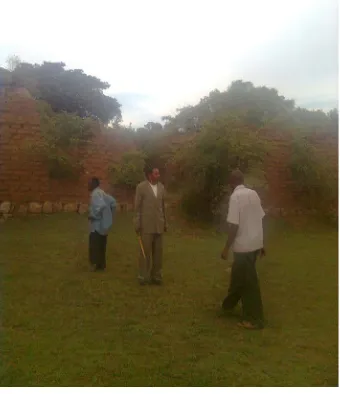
(66, 326)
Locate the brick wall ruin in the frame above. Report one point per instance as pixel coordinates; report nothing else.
(26, 187)
(282, 192)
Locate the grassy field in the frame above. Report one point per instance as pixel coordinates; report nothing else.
(66, 326)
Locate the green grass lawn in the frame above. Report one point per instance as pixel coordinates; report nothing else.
(66, 326)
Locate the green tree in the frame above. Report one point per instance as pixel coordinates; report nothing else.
(129, 171)
(315, 180)
(62, 136)
(204, 166)
(256, 105)
(71, 91)
(5, 77)
(333, 116)
(153, 127)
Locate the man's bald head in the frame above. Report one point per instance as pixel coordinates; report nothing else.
(236, 178)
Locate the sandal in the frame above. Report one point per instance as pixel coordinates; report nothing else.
(249, 326)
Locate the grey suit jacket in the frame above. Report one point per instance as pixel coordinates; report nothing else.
(150, 210)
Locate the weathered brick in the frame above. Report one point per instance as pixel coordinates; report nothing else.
(25, 179)
(47, 207)
(70, 207)
(83, 208)
(22, 209)
(5, 207)
(57, 207)
(34, 207)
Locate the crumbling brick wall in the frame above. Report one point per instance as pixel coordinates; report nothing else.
(279, 192)
(24, 179)
(282, 190)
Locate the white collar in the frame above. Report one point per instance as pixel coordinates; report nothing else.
(239, 187)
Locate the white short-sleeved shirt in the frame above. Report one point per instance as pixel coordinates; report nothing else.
(245, 210)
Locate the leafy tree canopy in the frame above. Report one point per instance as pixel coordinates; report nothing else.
(257, 106)
(71, 91)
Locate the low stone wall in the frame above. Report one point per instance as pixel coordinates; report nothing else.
(10, 209)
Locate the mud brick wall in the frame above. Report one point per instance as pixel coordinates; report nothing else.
(26, 187)
(24, 179)
(282, 192)
(279, 191)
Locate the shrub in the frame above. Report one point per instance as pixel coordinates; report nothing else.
(315, 180)
(203, 168)
(129, 171)
(62, 136)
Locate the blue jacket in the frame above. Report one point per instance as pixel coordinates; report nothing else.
(101, 211)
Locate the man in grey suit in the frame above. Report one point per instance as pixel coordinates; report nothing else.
(150, 224)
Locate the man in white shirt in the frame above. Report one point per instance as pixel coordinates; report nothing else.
(245, 237)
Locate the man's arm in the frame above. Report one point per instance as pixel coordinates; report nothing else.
(138, 209)
(112, 202)
(233, 219)
(232, 232)
(96, 207)
(265, 229)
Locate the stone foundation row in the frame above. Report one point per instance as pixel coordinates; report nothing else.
(9, 209)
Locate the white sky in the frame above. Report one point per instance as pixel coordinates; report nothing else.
(160, 55)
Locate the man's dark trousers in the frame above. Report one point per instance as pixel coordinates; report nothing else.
(244, 286)
(97, 250)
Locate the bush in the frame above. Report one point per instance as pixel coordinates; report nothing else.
(62, 136)
(5, 77)
(156, 147)
(129, 171)
(63, 167)
(203, 168)
(315, 180)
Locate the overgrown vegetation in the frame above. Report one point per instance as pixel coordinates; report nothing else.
(226, 125)
(315, 180)
(62, 137)
(203, 167)
(258, 106)
(129, 171)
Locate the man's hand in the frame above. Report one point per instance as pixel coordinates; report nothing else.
(224, 254)
(138, 231)
(262, 252)
(232, 232)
